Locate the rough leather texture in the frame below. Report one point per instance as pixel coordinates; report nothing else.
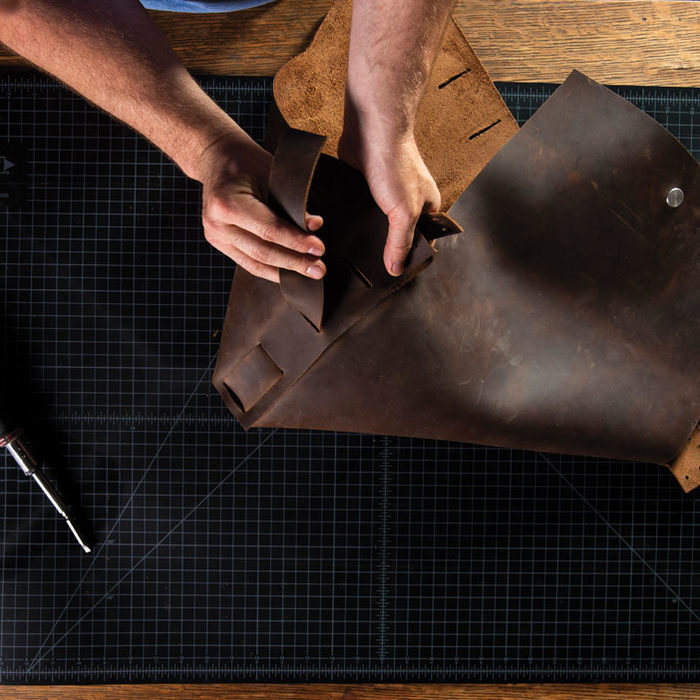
(562, 319)
(461, 123)
(686, 467)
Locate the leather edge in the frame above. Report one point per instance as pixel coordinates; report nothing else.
(293, 167)
(686, 466)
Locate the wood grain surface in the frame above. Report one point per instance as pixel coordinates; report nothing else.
(634, 42)
(601, 691)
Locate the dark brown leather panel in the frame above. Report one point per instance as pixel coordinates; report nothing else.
(565, 318)
(370, 380)
(267, 344)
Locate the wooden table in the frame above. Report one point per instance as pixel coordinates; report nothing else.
(618, 42)
(632, 42)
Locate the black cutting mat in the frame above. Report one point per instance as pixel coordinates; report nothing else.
(280, 554)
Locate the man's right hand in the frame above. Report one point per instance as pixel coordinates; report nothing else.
(234, 171)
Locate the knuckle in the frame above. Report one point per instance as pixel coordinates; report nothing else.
(270, 232)
(206, 220)
(401, 247)
(265, 272)
(216, 209)
(260, 253)
(256, 269)
(404, 209)
(209, 233)
(246, 263)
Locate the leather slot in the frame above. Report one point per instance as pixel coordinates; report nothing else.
(361, 276)
(233, 396)
(484, 130)
(311, 323)
(453, 78)
(252, 378)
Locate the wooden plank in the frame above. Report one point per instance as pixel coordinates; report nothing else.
(638, 42)
(580, 691)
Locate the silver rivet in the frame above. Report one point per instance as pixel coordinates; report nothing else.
(674, 198)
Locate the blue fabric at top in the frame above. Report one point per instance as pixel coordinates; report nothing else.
(202, 5)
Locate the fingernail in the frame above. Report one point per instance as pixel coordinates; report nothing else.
(397, 268)
(315, 250)
(314, 271)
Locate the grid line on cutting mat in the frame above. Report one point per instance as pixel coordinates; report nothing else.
(281, 554)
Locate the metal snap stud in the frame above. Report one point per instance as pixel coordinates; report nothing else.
(674, 198)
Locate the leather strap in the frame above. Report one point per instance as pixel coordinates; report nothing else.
(290, 178)
(355, 232)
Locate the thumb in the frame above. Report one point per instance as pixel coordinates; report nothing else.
(402, 227)
(313, 221)
(399, 242)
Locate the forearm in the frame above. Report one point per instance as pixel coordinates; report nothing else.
(112, 53)
(393, 45)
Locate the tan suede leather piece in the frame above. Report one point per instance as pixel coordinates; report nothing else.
(459, 126)
(686, 467)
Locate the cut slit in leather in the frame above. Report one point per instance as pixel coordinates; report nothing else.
(563, 319)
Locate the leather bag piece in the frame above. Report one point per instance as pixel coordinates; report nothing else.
(562, 319)
(293, 323)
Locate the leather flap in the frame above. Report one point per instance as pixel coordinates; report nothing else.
(288, 189)
(354, 233)
(252, 378)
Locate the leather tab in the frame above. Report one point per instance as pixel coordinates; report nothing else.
(252, 378)
(437, 224)
(288, 189)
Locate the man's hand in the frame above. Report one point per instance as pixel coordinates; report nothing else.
(111, 52)
(400, 183)
(393, 45)
(236, 221)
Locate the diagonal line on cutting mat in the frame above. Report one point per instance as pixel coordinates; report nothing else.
(621, 537)
(124, 509)
(38, 657)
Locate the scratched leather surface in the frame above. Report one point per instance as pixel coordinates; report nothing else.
(564, 318)
(270, 339)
